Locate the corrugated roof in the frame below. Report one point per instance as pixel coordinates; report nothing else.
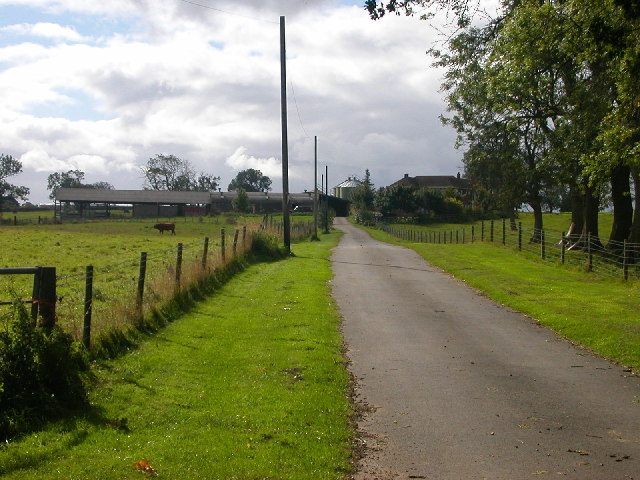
(132, 196)
(349, 183)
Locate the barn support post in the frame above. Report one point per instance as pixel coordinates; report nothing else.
(141, 278)
(222, 245)
(178, 266)
(88, 307)
(205, 252)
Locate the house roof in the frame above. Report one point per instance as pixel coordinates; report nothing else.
(435, 181)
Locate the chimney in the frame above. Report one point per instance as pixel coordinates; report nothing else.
(406, 175)
(458, 174)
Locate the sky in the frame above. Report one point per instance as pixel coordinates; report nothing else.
(102, 86)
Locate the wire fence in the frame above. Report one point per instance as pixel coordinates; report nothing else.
(584, 251)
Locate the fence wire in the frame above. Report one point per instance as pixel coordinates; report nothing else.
(586, 252)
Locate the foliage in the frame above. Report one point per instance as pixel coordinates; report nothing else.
(72, 179)
(168, 172)
(9, 167)
(362, 201)
(42, 373)
(250, 180)
(240, 203)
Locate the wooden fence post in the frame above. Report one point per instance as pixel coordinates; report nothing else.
(520, 236)
(625, 261)
(589, 253)
(504, 231)
(563, 249)
(244, 237)
(178, 266)
(222, 245)
(88, 307)
(235, 242)
(141, 277)
(473, 233)
(205, 252)
(47, 296)
(482, 232)
(492, 230)
(543, 253)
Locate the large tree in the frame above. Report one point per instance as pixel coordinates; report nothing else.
(9, 167)
(168, 172)
(72, 179)
(250, 180)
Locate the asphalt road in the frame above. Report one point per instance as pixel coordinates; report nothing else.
(456, 387)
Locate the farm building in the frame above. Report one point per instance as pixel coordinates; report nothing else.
(88, 202)
(440, 182)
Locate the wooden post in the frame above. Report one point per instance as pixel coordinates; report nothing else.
(504, 231)
(222, 246)
(492, 229)
(178, 266)
(205, 252)
(244, 238)
(589, 251)
(625, 261)
(520, 236)
(285, 139)
(235, 242)
(141, 277)
(88, 307)
(47, 297)
(563, 249)
(482, 231)
(542, 245)
(473, 233)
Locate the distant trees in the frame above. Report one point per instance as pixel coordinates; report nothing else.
(168, 172)
(240, 202)
(9, 167)
(71, 179)
(250, 180)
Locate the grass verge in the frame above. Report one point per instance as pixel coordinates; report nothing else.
(250, 384)
(601, 314)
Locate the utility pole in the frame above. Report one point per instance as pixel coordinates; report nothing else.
(315, 188)
(285, 140)
(326, 205)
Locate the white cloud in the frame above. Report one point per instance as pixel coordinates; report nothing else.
(45, 30)
(199, 84)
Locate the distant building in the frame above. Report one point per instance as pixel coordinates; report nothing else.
(440, 182)
(345, 189)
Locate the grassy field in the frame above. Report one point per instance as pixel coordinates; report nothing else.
(600, 313)
(250, 385)
(113, 248)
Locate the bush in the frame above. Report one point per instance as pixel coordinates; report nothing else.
(267, 246)
(42, 372)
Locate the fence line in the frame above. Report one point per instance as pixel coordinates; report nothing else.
(616, 260)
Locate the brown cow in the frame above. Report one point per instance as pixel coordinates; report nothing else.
(166, 226)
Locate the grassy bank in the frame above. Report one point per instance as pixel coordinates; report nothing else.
(601, 314)
(251, 384)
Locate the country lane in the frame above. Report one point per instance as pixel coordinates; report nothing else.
(456, 387)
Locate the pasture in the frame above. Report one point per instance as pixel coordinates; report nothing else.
(113, 248)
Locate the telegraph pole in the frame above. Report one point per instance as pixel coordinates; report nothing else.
(285, 140)
(315, 188)
(326, 205)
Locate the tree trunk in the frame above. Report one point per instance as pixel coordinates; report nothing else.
(622, 207)
(591, 202)
(577, 215)
(536, 205)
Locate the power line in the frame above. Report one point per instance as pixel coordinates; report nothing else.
(208, 7)
(295, 101)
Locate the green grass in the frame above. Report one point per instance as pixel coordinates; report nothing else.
(250, 385)
(599, 313)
